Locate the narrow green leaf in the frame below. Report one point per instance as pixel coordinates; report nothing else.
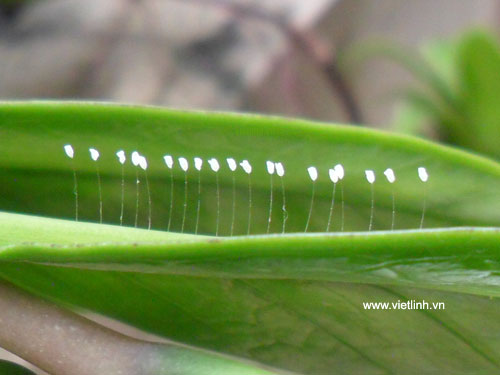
(236, 295)
(479, 64)
(35, 170)
(292, 301)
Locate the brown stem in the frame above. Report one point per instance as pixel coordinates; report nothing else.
(61, 342)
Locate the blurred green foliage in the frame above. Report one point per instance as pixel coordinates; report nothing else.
(458, 97)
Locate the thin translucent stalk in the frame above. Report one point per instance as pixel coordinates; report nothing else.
(270, 217)
(123, 196)
(218, 204)
(100, 193)
(249, 204)
(283, 207)
(75, 192)
(136, 197)
(310, 208)
(332, 205)
(233, 215)
(171, 200)
(185, 202)
(198, 208)
(149, 200)
(372, 207)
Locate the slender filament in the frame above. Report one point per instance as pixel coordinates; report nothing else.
(185, 202)
(199, 204)
(123, 196)
(233, 216)
(342, 208)
(249, 204)
(270, 207)
(372, 208)
(393, 221)
(283, 207)
(332, 205)
(423, 209)
(75, 192)
(310, 208)
(218, 204)
(171, 200)
(100, 193)
(136, 197)
(149, 199)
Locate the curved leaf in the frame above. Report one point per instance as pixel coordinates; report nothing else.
(291, 301)
(35, 170)
(276, 298)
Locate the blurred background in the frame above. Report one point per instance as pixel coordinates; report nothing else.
(427, 67)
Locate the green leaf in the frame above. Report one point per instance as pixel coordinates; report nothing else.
(291, 301)
(37, 176)
(440, 108)
(272, 299)
(9, 368)
(466, 112)
(479, 64)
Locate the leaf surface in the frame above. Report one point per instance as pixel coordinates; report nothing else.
(292, 301)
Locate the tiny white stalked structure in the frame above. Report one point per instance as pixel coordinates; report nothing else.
(370, 176)
(94, 155)
(391, 177)
(389, 174)
(70, 153)
(143, 163)
(214, 164)
(198, 163)
(270, 166)
(334, 177)
(122, 158)
(68, 149)
(422, 174)
(169, 161)
(339, 170)
(136, 158)
(231, 163)
(247, 168)
(313, 173)
(136, 161)
(184, 164)
(280, 170)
